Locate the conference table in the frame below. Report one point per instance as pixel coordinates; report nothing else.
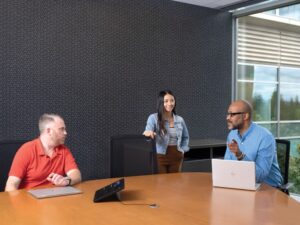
(182, 198)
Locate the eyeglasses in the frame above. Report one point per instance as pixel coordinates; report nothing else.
(232, 114)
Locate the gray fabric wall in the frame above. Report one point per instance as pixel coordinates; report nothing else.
(100, 64)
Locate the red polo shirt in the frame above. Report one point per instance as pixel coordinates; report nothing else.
(32, 166)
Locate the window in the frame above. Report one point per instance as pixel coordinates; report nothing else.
(258, 85)
(268, 76)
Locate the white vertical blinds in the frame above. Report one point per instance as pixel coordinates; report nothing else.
(265, 45)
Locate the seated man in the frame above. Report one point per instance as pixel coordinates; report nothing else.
(44, 160)
(251, 142)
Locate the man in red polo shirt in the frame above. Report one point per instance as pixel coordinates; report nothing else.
(45, 160)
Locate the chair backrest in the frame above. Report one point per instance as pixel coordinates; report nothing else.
(283, 155)
(132, 155)
(8, 150)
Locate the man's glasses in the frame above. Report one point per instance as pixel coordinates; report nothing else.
(232, 114)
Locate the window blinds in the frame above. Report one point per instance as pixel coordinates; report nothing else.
(266, 45)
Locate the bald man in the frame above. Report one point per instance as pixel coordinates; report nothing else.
(248, 141)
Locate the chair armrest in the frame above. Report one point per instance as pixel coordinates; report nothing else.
(285, 188)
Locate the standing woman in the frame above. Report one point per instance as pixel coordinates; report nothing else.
(170, 133)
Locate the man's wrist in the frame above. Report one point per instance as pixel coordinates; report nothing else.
(69, 181)
(240, 156)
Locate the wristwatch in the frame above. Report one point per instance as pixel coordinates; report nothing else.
(69, 181)
(240, 156)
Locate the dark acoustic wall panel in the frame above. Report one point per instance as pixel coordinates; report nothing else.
(100, 64)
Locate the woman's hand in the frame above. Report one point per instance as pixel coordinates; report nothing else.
(149, 133)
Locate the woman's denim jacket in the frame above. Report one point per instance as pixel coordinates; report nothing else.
(162, 141)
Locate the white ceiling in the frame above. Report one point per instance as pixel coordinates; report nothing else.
(217, 4)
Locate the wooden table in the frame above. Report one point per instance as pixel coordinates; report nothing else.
(184, 198)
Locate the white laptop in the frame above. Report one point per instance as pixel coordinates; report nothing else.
(54, 192)
(234, 174)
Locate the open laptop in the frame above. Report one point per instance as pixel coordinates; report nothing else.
(234, 174)
(54, 192)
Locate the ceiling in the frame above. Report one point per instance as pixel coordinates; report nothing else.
(222, 4)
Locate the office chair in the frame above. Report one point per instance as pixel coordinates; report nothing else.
(132, 155)
(283, 155)
(8, 150)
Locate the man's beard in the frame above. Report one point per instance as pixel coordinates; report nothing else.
(236, 126)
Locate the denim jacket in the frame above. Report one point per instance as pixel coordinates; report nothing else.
(162, 141)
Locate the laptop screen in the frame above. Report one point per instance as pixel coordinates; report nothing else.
(233, 174)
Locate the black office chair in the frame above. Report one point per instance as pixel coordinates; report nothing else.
(8, 150)
(283, 155)
(132, 155)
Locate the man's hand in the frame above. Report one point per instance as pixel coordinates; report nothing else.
(234, 148)
(58, 180)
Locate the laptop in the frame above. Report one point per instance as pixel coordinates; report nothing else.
(54, 192)
(234, 174)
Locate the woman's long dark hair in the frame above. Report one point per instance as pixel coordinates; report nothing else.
(161, 110)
